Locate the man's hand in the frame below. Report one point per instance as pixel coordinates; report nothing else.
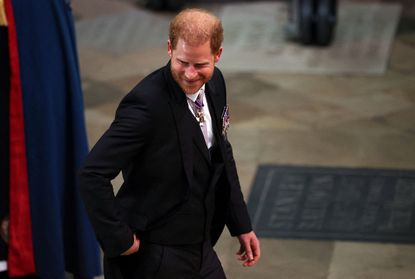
(134, 248)
(249, 252)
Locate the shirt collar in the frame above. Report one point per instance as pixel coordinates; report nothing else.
(193, 96)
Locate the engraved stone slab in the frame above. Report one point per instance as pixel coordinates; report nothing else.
(334, 203)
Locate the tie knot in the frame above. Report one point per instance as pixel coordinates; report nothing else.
(199, 101)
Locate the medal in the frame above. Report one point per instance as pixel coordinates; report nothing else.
(225, 121)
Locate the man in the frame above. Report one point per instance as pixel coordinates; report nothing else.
(180, 181)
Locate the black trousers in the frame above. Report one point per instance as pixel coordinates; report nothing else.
(154, 261)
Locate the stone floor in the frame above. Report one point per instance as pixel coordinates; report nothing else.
(348, 120)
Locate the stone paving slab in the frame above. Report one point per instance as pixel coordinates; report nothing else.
(287, 259)
(372, 260)
(269, 126)
(134, 29)
(103, 65)
(254, 32)
(92, 8)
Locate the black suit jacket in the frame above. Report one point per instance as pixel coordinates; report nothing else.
(151, 143)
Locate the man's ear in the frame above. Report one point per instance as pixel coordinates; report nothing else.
(169, 48)
(218, 54)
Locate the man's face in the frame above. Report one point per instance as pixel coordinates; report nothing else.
(192, 66)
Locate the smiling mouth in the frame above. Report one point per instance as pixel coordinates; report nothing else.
(190, 81)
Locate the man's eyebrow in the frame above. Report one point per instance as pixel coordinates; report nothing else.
(202, 63)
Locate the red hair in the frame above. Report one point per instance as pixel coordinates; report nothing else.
(195, 27)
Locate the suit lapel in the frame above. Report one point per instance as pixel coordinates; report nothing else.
(178, 104)
(188, 129)
(213, 98)
(216, 106)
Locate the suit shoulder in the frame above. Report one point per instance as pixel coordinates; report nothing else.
(217, 76)
(150, 88)
(217, 72)
(218, 80)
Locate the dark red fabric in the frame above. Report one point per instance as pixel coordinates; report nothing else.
(20, 256)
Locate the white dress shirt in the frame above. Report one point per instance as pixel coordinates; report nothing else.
(206, 113)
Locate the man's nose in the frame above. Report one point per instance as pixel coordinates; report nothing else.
(190, 73)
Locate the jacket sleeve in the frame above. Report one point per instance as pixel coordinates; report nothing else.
(124, 139)
(238, 220)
